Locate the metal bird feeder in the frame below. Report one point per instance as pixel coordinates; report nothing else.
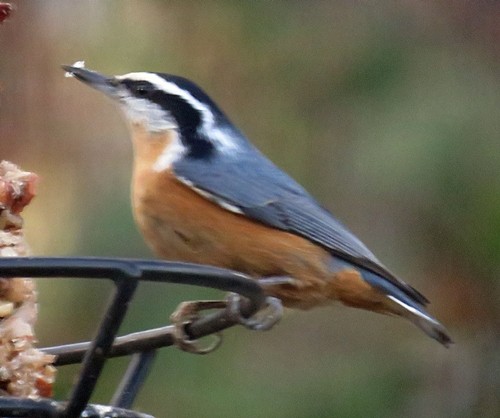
(126, 274)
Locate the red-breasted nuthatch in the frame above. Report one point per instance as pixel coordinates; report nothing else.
(203, 193)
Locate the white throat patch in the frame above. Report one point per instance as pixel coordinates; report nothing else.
(149, 114)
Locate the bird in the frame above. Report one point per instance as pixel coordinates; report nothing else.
(203, 193)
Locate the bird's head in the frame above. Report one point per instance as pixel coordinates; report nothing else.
(162, 102)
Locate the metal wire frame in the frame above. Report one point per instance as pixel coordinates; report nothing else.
(126, 274)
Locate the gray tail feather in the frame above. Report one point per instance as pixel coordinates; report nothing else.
(411, 309)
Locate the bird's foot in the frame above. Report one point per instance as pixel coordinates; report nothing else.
(263, 320)
(186, 313)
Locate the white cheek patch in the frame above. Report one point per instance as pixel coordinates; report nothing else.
(172, 153)
(149, 114)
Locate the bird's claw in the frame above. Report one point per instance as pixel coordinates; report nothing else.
(186, 313)
(263, 320)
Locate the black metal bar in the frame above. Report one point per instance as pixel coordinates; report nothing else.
(132, 380)
(62, 267)
(23, 407)
(147, 340)
(147, 270)
(14, 407)
(96, 355)
(136, 342)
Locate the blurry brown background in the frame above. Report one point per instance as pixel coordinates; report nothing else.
(388, 114)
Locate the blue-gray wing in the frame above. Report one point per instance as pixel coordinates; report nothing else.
(254, 185)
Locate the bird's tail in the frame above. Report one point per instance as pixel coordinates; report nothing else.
(405, 305)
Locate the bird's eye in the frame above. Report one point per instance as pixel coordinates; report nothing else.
(142, 90)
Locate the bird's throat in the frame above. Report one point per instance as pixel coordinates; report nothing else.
(155, 150)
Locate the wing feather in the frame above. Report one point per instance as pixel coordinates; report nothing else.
(252, 183)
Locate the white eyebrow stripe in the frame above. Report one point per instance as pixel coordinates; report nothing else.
(172, 88)
(223, 139)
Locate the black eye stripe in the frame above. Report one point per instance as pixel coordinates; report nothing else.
(143, 89)
(139, 88)
(188, 118)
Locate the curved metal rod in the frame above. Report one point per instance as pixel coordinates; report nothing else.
(144, 270)
(117, 269)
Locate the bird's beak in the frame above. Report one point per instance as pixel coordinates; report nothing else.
(105, 84)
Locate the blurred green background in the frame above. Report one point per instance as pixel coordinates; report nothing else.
(388, 112)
